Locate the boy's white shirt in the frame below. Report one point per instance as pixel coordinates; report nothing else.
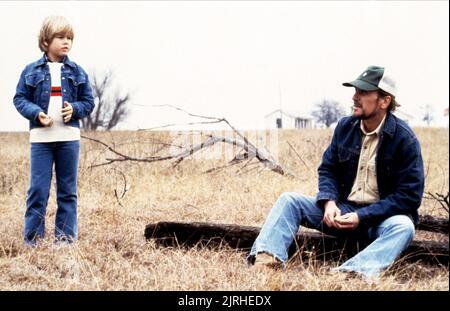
(59, 131)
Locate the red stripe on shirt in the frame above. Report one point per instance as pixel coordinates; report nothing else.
(56, 91)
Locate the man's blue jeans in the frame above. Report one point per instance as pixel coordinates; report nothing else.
(291, 210)
(65, 156)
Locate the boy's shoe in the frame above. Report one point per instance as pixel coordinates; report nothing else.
(62, 241)
(31, 244)
(34, 243)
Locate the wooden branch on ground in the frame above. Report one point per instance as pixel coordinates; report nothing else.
(242, 237)
(241, 141)
(433, 224)
(251, 152)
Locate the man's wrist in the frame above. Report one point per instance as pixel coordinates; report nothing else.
(329, 203)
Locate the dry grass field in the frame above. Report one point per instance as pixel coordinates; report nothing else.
(112, 253)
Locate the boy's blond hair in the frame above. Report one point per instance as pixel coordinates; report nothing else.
(52, 26)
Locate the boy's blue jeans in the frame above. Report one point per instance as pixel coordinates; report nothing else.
(291, 210)
(65, 156)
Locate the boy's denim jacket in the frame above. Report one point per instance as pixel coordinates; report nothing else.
(34, 89)
(399, 170)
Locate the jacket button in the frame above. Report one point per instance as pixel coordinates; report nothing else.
(62, 78)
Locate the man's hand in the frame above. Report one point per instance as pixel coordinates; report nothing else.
(45, 120)
(67, 111)
(349, 221)
(331, 212)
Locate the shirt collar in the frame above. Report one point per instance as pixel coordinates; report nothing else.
(65, 61)
(377, 130)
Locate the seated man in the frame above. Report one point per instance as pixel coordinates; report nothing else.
(371, 182)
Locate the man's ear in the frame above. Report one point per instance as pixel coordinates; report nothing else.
(386, 101)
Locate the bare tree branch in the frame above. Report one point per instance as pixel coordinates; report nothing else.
(442, 199)
(188, 113)
(178, 124)
(125, 187)
(251, 151)
(109, 109)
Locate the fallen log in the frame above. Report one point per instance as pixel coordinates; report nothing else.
(433, 224)
(317, 244)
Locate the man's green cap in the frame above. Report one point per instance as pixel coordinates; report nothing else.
(372, 79)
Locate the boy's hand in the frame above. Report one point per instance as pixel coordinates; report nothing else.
(67, 112)
(349, 221)
(45, 120)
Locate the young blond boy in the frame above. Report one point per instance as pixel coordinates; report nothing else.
(53, 93)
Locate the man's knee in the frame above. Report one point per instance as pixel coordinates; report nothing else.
(402, 224)
(292, 199)
(296, 203)
(289, 196)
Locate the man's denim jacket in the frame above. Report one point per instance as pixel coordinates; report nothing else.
(34, 89)
(399, 170)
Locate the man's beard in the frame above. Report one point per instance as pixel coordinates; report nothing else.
(364, 116)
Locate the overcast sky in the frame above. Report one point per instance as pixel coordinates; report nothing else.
(240, 60)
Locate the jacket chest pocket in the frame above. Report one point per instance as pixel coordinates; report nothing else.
(34, 79)
(74, 83)
(385, 166)
(347, 163)
(35, 82)
(346, 156)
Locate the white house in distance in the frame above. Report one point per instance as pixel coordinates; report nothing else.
(289, 119)
(285, 119)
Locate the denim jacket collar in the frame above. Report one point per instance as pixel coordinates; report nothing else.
(44, 60)
(389, 124)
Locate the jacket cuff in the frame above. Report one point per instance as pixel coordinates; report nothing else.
(36, 115)
(325, 196)
(363, 216)
(75, 107)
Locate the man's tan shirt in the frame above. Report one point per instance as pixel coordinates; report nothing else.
(365, 187)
